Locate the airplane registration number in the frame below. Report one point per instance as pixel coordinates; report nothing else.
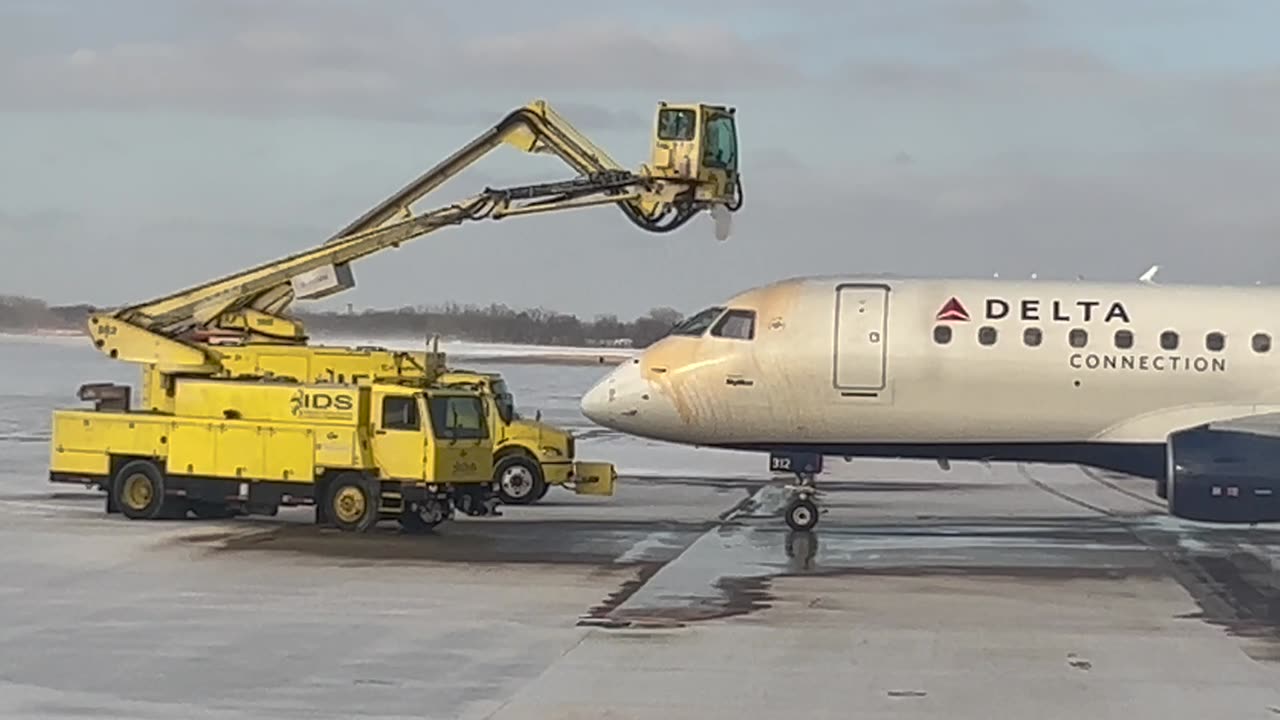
(795, 462)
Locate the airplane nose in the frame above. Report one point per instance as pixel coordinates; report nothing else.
(600, 404)
(615, 401)
(595, 403)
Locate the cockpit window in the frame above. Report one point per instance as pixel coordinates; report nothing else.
(737, 325)
(698, 324)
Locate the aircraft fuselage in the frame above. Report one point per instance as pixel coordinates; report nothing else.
(1079, 372)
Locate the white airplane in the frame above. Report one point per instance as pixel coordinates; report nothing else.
(1174, 383)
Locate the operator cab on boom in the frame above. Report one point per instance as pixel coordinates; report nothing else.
(698, 143)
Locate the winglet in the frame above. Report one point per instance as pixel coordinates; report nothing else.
(1149, 277)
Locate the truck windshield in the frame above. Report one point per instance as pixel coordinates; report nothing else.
(457, 417)
(504, 401)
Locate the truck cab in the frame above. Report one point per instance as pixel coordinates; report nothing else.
(529, 455)
(433, 436)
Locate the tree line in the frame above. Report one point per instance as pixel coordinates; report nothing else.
(23, 314)
(475, 323)
(497, 323)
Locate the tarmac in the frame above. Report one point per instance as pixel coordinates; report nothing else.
(1001, 592)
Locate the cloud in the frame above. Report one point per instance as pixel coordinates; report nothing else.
(990, 12)
(937, 137)
(335, 59)
(1202, 215)
(1010, 71)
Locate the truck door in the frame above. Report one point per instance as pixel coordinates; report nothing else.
(399, 444)
(861, 322)
(463, 451)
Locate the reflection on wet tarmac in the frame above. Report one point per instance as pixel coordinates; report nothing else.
(802, 548)
(918, 594)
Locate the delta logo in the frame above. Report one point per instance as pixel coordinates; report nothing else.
(953, 309)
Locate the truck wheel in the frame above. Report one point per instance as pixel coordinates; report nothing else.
(519, 480)
(352, 502)
(138, 490)
(417, 519)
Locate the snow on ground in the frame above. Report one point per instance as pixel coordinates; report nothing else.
(462, 348)
(459, 348)
(40, 373)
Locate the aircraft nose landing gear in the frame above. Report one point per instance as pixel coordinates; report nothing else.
(802, 510)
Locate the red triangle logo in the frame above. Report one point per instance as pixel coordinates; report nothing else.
(953, 310)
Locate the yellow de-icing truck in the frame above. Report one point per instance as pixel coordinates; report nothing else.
(359, 452)
(529, 456)
(239, 414)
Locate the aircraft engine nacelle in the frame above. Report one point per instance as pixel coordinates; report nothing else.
(1222, 476)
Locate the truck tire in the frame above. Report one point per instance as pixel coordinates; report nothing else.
(412, 521)
(139, 490)
(352, 502)
(519, 480)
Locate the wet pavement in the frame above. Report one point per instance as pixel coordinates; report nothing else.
(982, 592)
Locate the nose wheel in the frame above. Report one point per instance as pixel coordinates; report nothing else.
(802, 511)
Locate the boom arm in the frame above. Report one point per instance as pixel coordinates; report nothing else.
(535, 128)
(694, 168)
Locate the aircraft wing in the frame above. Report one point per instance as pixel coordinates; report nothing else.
(1260, 424)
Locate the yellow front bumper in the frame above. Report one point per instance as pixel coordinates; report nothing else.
(593, 478)
(557, 473)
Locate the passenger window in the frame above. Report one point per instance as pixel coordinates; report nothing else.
(399, 413)
(1078, 337)
(1169, 340)
(1032, 336)
(1215, 341)
(942, 334)
(1124, 339)
(1261, 342)
(736, 325)
(987, 335)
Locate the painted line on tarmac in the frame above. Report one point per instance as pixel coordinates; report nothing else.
(752, 505)
(40, 506)
(690, 581)
(1266, 555)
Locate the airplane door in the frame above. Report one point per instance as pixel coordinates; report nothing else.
(861, 320)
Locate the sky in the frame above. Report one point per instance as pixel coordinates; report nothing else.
(148, 145)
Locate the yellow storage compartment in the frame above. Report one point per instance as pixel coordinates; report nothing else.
(83, 442)
(288, 454)
(191, 449)
(243, 450)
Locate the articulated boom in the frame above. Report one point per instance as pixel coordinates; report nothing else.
(694, 167)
